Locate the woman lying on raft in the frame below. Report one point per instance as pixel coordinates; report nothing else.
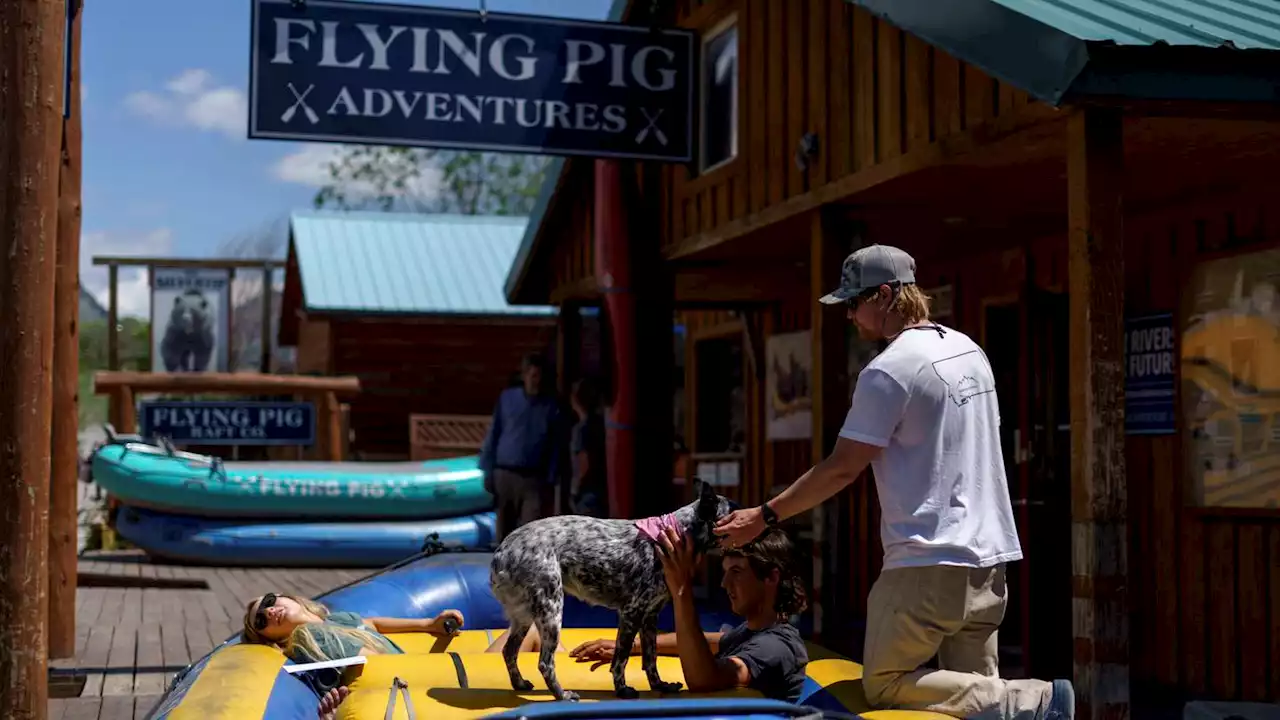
(306, 632)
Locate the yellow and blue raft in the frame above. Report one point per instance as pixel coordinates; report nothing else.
(455, 677)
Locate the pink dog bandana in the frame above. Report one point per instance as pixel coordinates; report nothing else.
(653, 527)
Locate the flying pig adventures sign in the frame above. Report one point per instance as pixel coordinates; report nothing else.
(329, 70)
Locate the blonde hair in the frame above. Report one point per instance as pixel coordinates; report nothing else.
(302, 641)
(912, 304)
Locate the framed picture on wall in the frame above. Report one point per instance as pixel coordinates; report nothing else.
(1230, 374)
(789, 399)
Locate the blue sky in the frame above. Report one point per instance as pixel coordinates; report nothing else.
(167, 167)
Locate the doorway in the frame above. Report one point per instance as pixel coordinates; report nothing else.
(1026, 341)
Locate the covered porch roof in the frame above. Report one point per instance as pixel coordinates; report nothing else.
(1066, 51)
(1175, 57)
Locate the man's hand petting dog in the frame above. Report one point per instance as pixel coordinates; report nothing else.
(740, 527)
(679, 562)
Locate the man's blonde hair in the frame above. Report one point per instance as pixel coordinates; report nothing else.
(912, 304)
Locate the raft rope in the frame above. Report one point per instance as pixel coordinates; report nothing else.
(401, 687)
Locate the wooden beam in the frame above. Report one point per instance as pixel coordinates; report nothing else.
(268, 275)
(31, 94)
(948, 150)
(739, 283)
(193, 263)
(64, 457)
(830, 241)
(113, 318)
(1099, 512)
(247, 383)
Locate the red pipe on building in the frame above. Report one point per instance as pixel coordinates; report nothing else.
(613, 275)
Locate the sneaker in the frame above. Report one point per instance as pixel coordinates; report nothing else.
(1062, 703)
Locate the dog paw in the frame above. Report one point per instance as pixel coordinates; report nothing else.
(569, 696)
(522, 685)
(627, 693)
(668, 687)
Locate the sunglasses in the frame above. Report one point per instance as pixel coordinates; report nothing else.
(260, 617)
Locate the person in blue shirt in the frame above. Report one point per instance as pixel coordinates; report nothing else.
(521, 454)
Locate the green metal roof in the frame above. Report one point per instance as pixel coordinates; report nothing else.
(1240, 23)
(1063, 50)
(400, 263)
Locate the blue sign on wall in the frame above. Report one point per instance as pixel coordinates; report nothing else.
(360, 72)
(230, 423)
(1149, 375)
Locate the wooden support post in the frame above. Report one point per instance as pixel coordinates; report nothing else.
(126, 411)
(331, 411)
(232, 365)
(65, 452)
(829, 243)
(31, 94)
(1095, 181)
(113, 317)
(655, 491)
(568, 347)
(267, 273)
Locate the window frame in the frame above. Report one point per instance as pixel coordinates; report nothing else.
(726, 24)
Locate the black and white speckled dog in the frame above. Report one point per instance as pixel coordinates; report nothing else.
(611, 563)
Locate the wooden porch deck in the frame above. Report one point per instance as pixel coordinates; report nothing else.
(138, 623)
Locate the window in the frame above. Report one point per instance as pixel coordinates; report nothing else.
(719, 141)
(1231, 381)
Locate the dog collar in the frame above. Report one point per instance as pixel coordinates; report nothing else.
(653, 527)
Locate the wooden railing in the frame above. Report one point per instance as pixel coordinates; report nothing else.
(123, 388)
(442, 436)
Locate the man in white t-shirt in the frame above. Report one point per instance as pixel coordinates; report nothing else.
(924, 415)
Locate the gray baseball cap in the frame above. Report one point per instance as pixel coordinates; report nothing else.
(871, 267)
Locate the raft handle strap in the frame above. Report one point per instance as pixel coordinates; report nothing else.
(403, 687)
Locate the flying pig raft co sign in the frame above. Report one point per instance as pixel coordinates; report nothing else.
(358, 72)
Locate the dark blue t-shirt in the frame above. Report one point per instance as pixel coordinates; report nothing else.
(775, 657)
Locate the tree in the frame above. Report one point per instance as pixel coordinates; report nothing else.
(427, 180)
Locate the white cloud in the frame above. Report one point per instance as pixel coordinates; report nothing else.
(309, 166)
(193, 98)
(133, 291)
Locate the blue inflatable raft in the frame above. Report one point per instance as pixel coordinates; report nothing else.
(456, 678)
(161, 478)
(372, 544)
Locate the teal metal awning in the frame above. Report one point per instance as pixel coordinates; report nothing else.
(1068, 50)
(371, 263)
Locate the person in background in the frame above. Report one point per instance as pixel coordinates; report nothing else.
(588, 492)
(521, 453)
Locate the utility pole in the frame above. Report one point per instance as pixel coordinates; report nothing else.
(64, 463)
(31, 96)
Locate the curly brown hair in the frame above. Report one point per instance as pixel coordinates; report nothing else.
(774, 550)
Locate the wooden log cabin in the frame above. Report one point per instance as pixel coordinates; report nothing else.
(412, 305)
(1072, 180)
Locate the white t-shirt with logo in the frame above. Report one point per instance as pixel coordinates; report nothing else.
(930, 401)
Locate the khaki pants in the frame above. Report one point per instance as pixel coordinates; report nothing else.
(521, 500)
(954, 612)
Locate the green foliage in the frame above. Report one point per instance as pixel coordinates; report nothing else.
(135, 354)
(426, 180)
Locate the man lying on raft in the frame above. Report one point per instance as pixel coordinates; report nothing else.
(764, 653)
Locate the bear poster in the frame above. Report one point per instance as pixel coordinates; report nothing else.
(790, 362)
(189, 312)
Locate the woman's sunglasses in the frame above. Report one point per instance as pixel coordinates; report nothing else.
(260, 617)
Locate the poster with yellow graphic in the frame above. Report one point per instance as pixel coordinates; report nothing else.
(1230, 373)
